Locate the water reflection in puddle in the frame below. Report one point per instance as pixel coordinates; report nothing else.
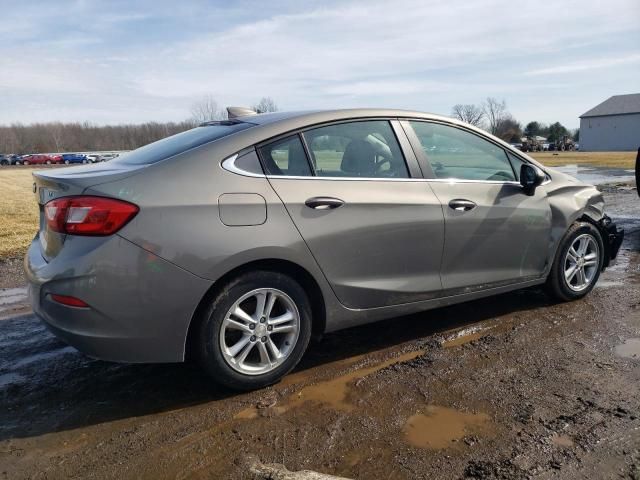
(597, 175)
(629, 349)
(329, 393)
(437, 427)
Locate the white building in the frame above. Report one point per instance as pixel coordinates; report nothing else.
(614, 125)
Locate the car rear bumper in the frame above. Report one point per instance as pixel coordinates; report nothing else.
(139, 305)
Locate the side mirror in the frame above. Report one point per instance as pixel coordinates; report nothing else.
(531, 177)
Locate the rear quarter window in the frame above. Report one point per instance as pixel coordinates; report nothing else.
(175, 144)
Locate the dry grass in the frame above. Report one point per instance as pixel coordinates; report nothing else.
(18, 211)
(600, 159)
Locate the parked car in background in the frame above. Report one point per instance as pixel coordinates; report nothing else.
(288, 225)
(68, 158)
(38, 159)
(108, 156)
(6, 160)
(93, 158)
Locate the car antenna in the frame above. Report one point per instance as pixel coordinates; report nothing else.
(235, 112)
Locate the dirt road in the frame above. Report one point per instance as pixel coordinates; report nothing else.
(508, 387)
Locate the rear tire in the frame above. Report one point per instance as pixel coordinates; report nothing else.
(222, 337)
(574, 273)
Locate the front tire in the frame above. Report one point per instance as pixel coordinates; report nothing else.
(578, 263)
(254, 331)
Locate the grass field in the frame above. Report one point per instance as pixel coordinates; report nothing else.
(600, 159)
(19, 211)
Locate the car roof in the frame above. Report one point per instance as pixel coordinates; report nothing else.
(315, 116)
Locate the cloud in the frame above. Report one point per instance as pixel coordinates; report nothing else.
(595, 64)
(414, 54)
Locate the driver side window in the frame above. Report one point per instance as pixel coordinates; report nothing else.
(366, 149)
(457, 154)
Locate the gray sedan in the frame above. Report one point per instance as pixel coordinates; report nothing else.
(237, 241)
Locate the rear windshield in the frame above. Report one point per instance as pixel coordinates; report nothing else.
(170, 146)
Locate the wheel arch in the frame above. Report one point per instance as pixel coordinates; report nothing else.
(298, 273)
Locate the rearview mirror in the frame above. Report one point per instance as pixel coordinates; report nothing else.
(530, 178)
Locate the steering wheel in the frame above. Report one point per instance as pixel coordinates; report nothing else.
(381, 162)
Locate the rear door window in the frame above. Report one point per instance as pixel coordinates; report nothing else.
(286, 157)
(365, 149)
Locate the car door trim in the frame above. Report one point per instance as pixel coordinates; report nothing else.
(229, 165)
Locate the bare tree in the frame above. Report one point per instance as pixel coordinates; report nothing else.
(206, 110)
(469, 113)
(57, 134)
(265, 105)
(508, 129)
(495, 111)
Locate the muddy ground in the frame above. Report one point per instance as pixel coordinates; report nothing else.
(509, 387)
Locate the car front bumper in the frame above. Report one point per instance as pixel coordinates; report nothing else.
(140, 305)
(612, 236)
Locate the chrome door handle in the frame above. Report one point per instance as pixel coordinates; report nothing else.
(324, 203)
(461, 205)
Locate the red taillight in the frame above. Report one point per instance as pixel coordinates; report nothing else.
(69, 301)
(88, 215)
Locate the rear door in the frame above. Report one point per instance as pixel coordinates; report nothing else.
(495, 233)
(372, 223)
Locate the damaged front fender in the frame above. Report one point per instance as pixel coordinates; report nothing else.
(571, 200)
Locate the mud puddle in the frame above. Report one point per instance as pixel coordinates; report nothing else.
(629, 349)
(597, 175)
(329, 393)
(561, 440)
(439, 427)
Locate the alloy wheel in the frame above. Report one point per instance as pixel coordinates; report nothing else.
(581, 262)
(259, 331)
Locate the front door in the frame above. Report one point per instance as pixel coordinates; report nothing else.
(495, 233)
(376, 233)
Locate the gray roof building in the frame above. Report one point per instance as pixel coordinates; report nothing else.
(613, 125)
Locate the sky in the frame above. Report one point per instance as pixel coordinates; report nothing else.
(126, 61)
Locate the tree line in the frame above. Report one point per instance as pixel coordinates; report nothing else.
(56, 137)
(493, 116)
